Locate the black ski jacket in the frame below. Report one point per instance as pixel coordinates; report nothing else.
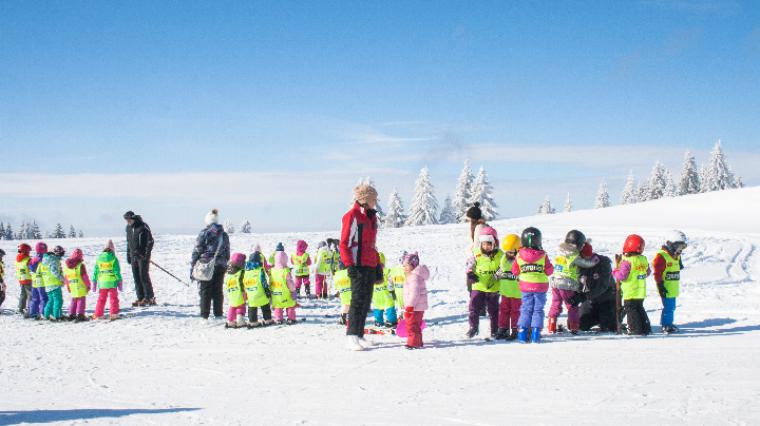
(139, 240)
(599, 285)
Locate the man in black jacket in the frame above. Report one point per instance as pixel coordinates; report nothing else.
(597, 295)
(139, 248)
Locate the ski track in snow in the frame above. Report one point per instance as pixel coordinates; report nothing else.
(163, 365)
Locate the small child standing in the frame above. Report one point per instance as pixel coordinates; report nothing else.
(631, 271)
(481, 275)
(257, 291)
(106, 280)
(78, 284)
(667, 273)
(564, 282)
(511, 296)
(233, 287)
(283, 288)
(324, 269)
(532, 268)
(415, 295)
(382, 300)
(301, 262)
(24, 278)
(39, 295)
(342, 284)
(396, 279)
(52, 278)
(2, 277)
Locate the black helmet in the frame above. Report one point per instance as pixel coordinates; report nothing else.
(2, 253)
(576, 239)
(531, 238)
(59, 251)
(129, 215)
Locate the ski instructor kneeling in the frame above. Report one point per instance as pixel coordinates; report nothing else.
(359, 254)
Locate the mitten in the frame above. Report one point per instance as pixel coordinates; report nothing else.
(661, 290)
(472, 277)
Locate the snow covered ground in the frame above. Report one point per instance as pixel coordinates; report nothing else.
(163, 365)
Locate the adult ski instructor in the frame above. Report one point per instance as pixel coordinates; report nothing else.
(139, 248)
(358, 253)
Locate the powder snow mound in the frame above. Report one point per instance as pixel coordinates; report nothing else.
(164, 365)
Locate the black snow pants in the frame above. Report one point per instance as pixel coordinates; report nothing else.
(211, 291)
(636, 315)
(598, 312)
(362, 286)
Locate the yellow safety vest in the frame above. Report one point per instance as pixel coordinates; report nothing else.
(671, 274)
(233, 290)
(49, 279)
(509, 287)
(397, 276)
(22, 270)
(532, 272)
(635, 286)
(342, 284)
(485, 268)
(563, 266)
(254, 288)
(300, 264)
(281, 297)
(77, 287)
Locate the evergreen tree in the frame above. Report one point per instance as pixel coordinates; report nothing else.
(629, 190)
(81, 234)
(718, 175)
(658, 182)
(689, 182)
(447, 212)
(58, 232)
(245, 227)
(396, 216)
(482, 192)
(23, 231)
(2, 231)
(739, 182)
(568, 204)
(8, 231)
(602, 196)
(671, 190)
(546, 207)
(36, 233)
(424, 205)
(642, 192)
(72, 232)
(229, 227)
(463, 193)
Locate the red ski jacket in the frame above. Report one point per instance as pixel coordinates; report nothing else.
(357, 238)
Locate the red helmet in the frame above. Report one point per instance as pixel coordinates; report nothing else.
(633, 244)
(24, 248)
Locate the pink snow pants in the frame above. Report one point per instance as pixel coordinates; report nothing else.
(234, 311)
(103, 294)
(302, 280)
(291, 312)
(509, 312)
(78, 305)
(320, 285)
(559, 297)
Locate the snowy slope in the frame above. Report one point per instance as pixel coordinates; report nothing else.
(165, 366)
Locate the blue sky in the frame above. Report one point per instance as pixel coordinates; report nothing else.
(273, 110)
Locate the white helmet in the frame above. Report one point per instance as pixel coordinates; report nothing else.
(676, 236)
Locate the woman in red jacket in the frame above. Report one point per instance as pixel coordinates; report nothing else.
(358, 252)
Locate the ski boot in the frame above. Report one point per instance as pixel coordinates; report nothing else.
(494, 333)
(113, 317)
(150, 302)
(522, 335)
(513, 334)
(573, 327)
(255, 324)
(268, 322)
(71, 317)
(138, 303)
(535, 335)
(343, 319)
(81, 318)
(472, 333)
(290, 321)
(230, 324)
(390, 325)
(552, 326)
(502, 334)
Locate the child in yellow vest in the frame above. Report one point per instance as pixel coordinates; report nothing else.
(2, 277)
(342, 283)
(283, 288)
(78, 284)
(301, 262)
(397, 280)
(257, 290)
(382, 300)
(235, 291)
(511, 296)
(631, 271)
(481, 276)
(533, 269)
(106, 279)
(667, 274)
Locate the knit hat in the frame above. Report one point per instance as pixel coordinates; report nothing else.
(40, 248)
(279, 247)
(255, 257)
(256, 248)
(109, 247)
(129, 215)
(474, 212)
(413, 259)
(211, 217)
(587, 251)
(238, 260)
(488, 234)
(364, 192)
(59, 251)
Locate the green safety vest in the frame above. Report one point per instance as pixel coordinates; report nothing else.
(485, 268)
(49, 279)
(635, 286)
(397, 276)
(671, 274)
(106, 275)
(37, 277)
(22, 270)
(563, 267)
(532, 272)
(77, 288)
(336, 260)
(342, 283)
(233, 290)
(281, 297)
(325, 263)
(300, 264)
(254, 288)
(509, 287)
(381, 297)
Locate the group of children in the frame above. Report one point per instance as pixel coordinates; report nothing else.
(522, 274)
(43, 274)
(273, 286)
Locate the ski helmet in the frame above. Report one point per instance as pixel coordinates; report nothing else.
(531, 238)
(633, 244)
(576, 239)
(40, 248)
(413, 259)
(511, 242)
(238, 260)
(59, 251)
(24, 248)
(488, 234)
(2, 253)
(676, 236)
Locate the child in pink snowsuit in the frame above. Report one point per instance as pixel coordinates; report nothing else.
(301, 263)
(77, 272)
(283, 289)
(415, 299)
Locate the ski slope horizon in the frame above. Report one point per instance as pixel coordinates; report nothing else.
(164, 365)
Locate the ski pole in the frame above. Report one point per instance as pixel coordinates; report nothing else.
(169, 273)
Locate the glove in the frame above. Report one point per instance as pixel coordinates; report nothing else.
(191, 274)
(472, 278)
(379, 273)
(118, 285)
(661, 290)
(408, 311)
(577, 299)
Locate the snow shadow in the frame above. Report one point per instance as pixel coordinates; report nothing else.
(710, 322)
(49, 416)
